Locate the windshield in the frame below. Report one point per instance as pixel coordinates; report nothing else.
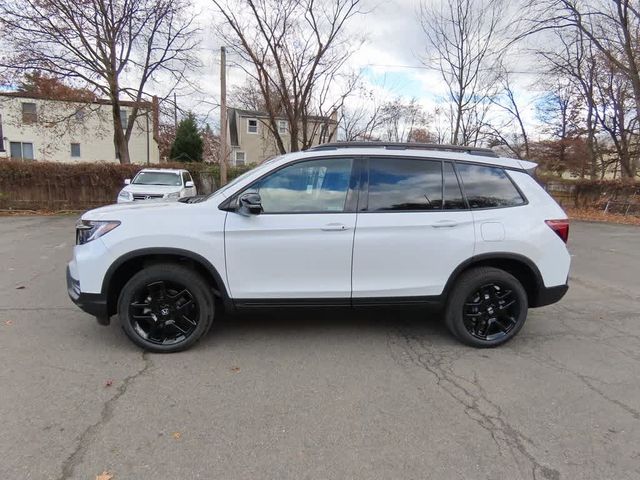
(157, 178)
(262, 166)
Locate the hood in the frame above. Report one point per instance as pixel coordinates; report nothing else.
(152, 188)
(117, 211)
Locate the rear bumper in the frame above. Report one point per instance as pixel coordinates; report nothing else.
(549, 295)
(92, 303)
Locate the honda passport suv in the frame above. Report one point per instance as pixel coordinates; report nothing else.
(345, 224)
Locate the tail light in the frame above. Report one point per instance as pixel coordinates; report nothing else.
(561, 227)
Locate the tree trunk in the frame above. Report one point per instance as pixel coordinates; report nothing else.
(119, 139)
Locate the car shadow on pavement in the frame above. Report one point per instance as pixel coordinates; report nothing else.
(340, 321)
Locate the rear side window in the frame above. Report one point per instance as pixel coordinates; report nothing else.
(397, 184)
(488, 187)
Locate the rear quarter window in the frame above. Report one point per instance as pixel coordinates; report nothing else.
(488, 187)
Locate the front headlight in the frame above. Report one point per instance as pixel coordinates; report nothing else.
(173, 195)
(87, 230)
(125, 195)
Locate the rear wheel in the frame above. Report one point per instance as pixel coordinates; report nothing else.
(486, 308)
(166, 308)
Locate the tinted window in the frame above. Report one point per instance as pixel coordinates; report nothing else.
(453, 199)
(314, 186)
(402, 184)
(488, 187)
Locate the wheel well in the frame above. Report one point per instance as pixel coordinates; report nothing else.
(130, 267)
(519, 269)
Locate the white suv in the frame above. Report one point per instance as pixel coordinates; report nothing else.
(354, 224)
(157, 183)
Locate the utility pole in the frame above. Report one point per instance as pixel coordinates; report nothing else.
(223, 117)
(175, 112)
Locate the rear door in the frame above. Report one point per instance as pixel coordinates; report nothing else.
(413, 229)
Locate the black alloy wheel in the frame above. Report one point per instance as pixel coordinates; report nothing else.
(164, 312)
(491, 312)
(486, 307)
(166, 307)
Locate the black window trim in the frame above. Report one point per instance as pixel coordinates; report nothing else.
(504, 169)
(358, 194)
(353, 192)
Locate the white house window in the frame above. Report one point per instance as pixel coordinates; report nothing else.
(124, 118)
(75, 150)
(240, 158)
(283, 127)
(29, 113)
(252, 125)
(21, 150)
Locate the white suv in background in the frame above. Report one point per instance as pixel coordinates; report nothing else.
(353, 224)
(156, 183)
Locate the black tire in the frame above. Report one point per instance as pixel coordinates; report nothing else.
(166, 308)
(479, 310)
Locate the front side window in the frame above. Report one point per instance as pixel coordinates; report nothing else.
(21, 150)
(185, 178)
(158, 178)
(488, 187)
(397, 184)
(316, 186)
(252, 125)
(29, 112)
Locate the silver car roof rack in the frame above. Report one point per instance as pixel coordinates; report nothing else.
(485, 152)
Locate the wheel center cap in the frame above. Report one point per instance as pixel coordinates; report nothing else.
(164, 311)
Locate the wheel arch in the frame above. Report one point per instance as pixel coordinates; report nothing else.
(521, 267)
(124, 267)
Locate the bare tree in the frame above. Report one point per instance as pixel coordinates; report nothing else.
(295, 51)
(510, 131)
(117, 47)
(466, 40)
(400, 118)
(611, 26)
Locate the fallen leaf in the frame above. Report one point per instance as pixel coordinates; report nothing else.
(108, 383)
(104, 476)
(8, 323)
(235, 369)
(177, 435)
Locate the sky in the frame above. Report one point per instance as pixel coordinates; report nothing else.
(389, 61)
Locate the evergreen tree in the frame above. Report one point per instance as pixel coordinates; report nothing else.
(188, 145)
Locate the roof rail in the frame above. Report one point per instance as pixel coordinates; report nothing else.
(485, 152)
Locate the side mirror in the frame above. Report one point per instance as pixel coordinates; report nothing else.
(127, 181)
(250, 204)
(188, 184)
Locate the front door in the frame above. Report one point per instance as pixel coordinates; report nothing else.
(413, 230)
(300, 246)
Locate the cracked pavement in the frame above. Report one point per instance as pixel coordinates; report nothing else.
(326, 394)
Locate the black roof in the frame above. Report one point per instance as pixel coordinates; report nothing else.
(485, 152)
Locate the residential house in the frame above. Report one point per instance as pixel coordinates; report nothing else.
(36, 128)
(252, 140)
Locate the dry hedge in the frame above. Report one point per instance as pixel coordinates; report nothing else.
(79, 186)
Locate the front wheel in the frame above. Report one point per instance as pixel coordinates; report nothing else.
(486, 308)
(166, 308)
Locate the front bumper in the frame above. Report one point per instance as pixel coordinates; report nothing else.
(93, 303)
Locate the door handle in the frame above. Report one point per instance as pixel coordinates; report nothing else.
(334, 227)
(445, 224)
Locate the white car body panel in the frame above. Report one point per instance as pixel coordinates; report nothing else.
(389, 254)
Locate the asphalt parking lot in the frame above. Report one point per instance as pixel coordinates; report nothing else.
(322, 395)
